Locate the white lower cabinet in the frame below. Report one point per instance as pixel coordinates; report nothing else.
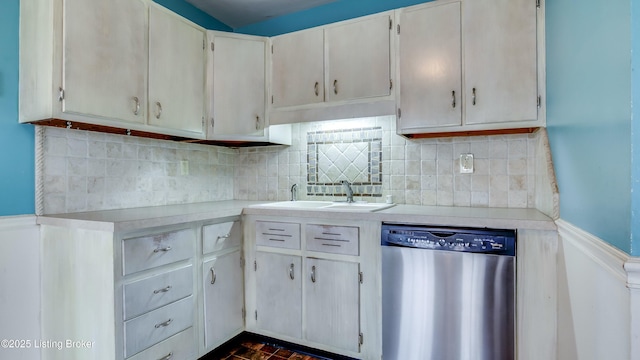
(223, 298)
(332, 296)
(157, 325)
(278, 293)
(313, 292)
(222, 282)
(169, 292)
(179, 346)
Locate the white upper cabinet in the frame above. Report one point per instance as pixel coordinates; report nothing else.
(501, 82)
(358, 58)
(238, 85)
(469, 66)
(104, 59)
(124, 64)
(298, 68)
(341, 70)
(176, 72)
(430, 67)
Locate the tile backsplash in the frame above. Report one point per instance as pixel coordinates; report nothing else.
(354, 155)
(84, 171)
(423, 172)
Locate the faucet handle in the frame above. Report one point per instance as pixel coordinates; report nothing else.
(294, 192)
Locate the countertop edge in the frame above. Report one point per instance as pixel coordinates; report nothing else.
(111, 220)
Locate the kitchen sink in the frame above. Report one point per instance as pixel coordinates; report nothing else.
(358, 206)
(327, 205)
(298, 204)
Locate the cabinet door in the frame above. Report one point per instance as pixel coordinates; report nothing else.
(223, 298)
(238, 86)
(430, 67)
(176, 72)
(500, 60)
(332, 299)
(298, 68)
(105, 59)
(359, 59)
(279, 293)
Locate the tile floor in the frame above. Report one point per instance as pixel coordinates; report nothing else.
(258, 348)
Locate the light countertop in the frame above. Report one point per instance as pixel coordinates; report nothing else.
(146, 217)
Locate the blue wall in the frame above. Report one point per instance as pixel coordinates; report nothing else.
(17, 179)
(194, 14)
(589, 114)
(329, 13)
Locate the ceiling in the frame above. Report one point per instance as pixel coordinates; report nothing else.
(238, 13)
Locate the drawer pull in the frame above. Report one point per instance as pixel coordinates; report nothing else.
(271, 239)
(213, 275)
(225, 236)
(327, 239)
(334, 234)
(169, 356)
(334, 245)
(164, 324)
(163, 290)
(313, 274)
(270, 229)
(291, 272)
(164, 249)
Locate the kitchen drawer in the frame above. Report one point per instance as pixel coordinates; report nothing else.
(278, 234)
(151, 328)
(333, 239)
(180, 346)
(154, 292)
(221, 236)
(150, 251)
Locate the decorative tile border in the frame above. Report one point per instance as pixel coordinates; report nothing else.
(354, 155)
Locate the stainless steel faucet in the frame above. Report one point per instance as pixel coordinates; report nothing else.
(294, 192)
(347, 186)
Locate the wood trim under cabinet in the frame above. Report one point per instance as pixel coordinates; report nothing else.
(59, 123)
(529, 130)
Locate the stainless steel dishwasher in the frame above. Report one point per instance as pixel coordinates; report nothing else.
(448, 293)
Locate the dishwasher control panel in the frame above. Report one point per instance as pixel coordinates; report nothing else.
(475, 240)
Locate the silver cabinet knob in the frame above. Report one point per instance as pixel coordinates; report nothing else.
(158, 109)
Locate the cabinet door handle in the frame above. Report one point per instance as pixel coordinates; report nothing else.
(169, 356)
(137, 102)
(164, 249)
(159, 109)
(213, 275)
(316, 89)
(335, 86)
(313, 274)
(163, 290)
(453, 99)
(257, 122)
(291, 272)
(163, 324)
(473, 96)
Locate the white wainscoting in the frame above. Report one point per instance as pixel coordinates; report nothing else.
(19, 287)
(594, 302)
(632, 266)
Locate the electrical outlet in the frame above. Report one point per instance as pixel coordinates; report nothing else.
(466, 163)
(184, 167)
